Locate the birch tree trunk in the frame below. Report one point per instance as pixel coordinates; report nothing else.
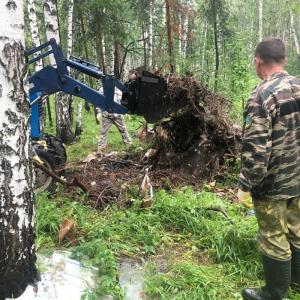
(144, 38)
(260, 19)
(86, 53)
(169, 23)
(217, 55)
(70, 28)
(78, 129)
(116, 59)
(184, 30)
(34, 31)
(101, 56)
(150, 35)
(180, 36)
(69, 51)
(204, 46)
(17, 252)
(63, 122)
(51, 23)
(294, 33)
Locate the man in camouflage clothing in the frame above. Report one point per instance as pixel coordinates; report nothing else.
(107, 120)
(270, 170)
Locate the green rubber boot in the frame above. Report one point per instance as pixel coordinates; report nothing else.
(295, 269)
(277, 277)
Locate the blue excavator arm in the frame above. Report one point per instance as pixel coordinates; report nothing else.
(53, 79)
(56, 78)
(144, 96)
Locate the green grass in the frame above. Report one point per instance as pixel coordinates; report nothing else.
(208, 256)
(175, 219)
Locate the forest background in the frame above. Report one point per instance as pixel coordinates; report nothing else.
(212, 39)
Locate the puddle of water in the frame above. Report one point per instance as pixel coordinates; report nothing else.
(62, 278)
(131, 279)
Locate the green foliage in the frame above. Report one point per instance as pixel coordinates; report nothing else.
(239, 80)
(293, 66)
(181, 217)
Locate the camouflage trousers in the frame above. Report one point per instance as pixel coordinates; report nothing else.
(279, 227)
(119, 122)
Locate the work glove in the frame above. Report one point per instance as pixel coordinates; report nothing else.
(99, 117)
(244, 198)
(37, 159)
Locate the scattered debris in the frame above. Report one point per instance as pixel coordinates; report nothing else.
(146, 191)
(74, 182)
(65, 228)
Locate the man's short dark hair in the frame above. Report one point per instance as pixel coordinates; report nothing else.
(271, 51)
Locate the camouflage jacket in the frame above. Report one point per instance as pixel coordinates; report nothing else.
(271, 140)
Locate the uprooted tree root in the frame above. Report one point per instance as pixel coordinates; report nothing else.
(191, 147)
(197, 138)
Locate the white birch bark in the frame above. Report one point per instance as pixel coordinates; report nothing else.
(17, 253)
(260, 19)
(78, 129)
(204, 47)
(180, 35)
(294, 33)
(184, 29)
(150, 34)
(63, 122)
(34, 30)
(70, 28)
(51, 23)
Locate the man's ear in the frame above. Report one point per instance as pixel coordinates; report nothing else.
(259, 62)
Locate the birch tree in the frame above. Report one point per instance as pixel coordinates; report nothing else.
(260, 19)
(17, 253)
(294, 33)
(34, 32)
(150, 34)
(169, 24)
(70, 50)
(70, 28)
(63, 122)
(184, 30)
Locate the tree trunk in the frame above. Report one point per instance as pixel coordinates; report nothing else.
(70, 28)
(34, 31)
(78, 129)
(260, 19)
(169, 23)
(86, 53)
(217, 55)
(204, 46)
(144, 47)
(184, 30)
(63, 122)
(294, 33)
(116, 59)
(69, 51)
(101, 52)
(150, 35)
(51, 23)
(17, 252)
